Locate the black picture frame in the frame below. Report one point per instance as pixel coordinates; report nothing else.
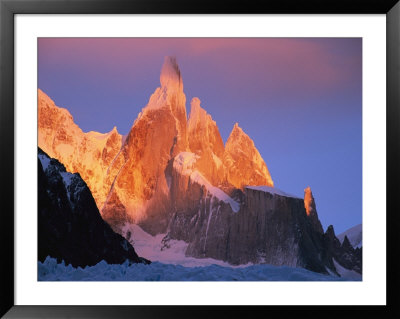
(8, 10)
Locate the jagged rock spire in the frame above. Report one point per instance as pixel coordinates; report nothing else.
(170, 76)
(311, 210)
(243, 161)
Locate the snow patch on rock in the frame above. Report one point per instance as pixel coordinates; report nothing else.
(184, 162)
(214, 191)
(271, 190)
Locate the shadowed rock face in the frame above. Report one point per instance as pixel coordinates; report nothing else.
(343, 253)
(268, 229)
(70, 227)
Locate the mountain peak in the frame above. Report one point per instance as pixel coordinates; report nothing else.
(170, 74)
(205, 141)
(238, 133)
(198, 115)
(238, 136)
(244, 162)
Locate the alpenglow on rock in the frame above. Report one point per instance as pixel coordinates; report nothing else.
(173, 175)
(206, 142)
(89, 154)
(131, 180)
(244, 163)
(140, 190)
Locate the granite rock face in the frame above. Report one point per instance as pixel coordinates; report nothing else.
(206, 142)
(344, 253)
(70, 227)
(268, 228)
(243, 162)
(140, 189)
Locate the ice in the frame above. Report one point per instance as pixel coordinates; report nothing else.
(49, 270)
(169, 263)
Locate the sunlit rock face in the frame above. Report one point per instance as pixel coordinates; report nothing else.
(311, 210)
(206, 142)
(141, 189)
(89, 154)
(243, 162)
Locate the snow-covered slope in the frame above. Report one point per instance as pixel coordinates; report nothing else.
(185, 164)
(156, 248)
(271, 190)
(346, 273)
(354, 234)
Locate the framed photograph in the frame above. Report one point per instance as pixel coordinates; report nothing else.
(164, 155)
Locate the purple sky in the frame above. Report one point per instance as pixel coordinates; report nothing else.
(299, 99)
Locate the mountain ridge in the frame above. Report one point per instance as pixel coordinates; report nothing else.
(172, 174)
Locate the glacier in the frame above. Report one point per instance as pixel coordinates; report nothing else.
(50, 270)
(171, 264)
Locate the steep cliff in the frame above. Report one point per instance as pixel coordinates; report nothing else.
(140, 191)
(89, 154)
(270, 227)
(70, 227)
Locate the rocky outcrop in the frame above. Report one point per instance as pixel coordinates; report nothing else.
(130, 177)
(70, 227)
(89, 154)
(268, 228)
(343, 253)
(354, 235)
(206, 142)
(311, 210)
(243, 162)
